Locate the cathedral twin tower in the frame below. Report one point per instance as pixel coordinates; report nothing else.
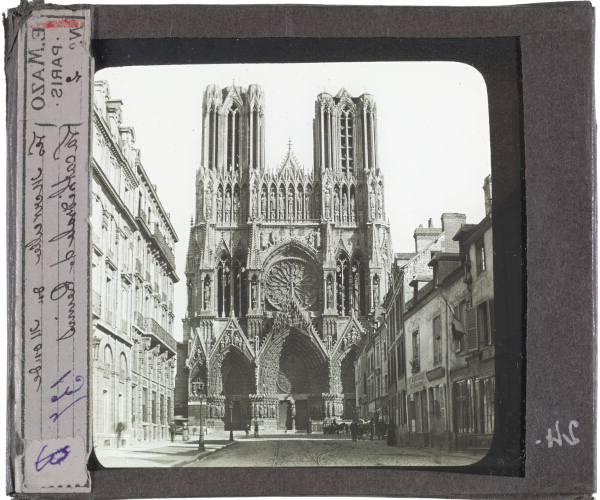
(283, 266)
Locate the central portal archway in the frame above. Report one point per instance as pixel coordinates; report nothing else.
(302, 372)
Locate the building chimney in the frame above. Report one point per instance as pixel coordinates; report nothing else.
(487, 191)
(425, 235)
(451, 223)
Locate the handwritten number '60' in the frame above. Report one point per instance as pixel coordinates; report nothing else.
(55, 458)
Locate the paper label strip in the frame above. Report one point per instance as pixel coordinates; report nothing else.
(52, 347)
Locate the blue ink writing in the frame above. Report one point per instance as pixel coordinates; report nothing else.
(55, 458)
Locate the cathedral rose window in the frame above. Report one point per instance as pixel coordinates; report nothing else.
(292, 277)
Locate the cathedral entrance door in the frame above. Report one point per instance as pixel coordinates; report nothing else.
(301, 415)
(284, 421)
(236, 423)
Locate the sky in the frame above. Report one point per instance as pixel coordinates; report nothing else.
(433, 133)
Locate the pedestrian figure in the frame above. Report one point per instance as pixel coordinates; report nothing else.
(380, 430)
(391, 434)
(172, 429)
(120, 429)
(256, 430)
(371, 429)
(247, 429)
(354, 430)
(346, 428)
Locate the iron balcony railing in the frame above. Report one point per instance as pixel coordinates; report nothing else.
(162, 244)
(151, 326)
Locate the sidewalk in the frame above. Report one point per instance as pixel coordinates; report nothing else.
(159, 454)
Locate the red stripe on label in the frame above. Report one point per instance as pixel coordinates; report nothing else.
(60, 23)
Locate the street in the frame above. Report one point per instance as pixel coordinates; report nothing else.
(277, 450)
(301, 450)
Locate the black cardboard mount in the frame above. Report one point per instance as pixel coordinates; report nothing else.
(537, 61)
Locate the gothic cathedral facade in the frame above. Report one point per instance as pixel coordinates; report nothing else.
(283, 267)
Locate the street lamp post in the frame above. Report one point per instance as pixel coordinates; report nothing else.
(201, 438)
(230, 420)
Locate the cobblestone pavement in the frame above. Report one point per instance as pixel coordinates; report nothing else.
(318, 450)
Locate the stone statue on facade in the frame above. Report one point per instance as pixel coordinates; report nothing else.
(290, 204)
(254, 201)
(244, 209)
(206, 295)
(219, 206)
(254, 293)
(356, 294)
(263, 204)
(372, 204)
(329, 293)
(263, 243)
(336, 206)
(209, 203)
(281, 206)
(227, 206)
(272, 205)
(345, 207)
(379, 204)
(327, 204)
(375, 291)
(236, 206)
(352, 209)
(299, 207)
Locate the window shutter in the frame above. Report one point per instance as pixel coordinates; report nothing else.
(492, 333)
(457, 314)
(471, 328)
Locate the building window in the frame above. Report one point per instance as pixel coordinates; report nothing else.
(255, 138)
(483, 325)
(480, 256)
(233, 139)
(144, 405)
(240, 280)
(358, 285)
(133, 400)
(487, 392)
(342, 278)
(401, 360)
(437, 340)
(347, 140)
(459, 313)
(153, 407)
(223, 272)
(415, 362)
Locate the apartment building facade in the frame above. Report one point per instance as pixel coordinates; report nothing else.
(133, 278)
